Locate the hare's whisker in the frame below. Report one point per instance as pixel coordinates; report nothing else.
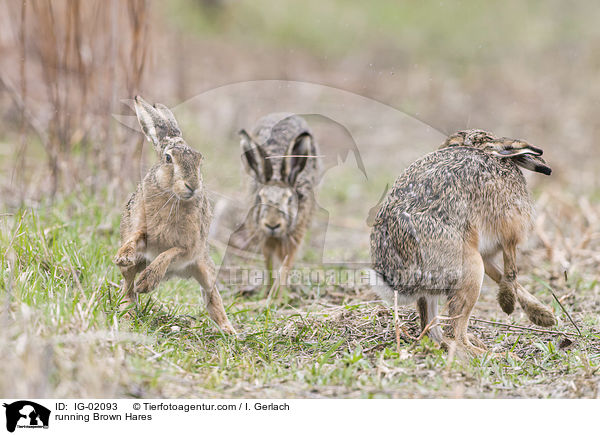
(159, 193)
(166, 202)
(171, 210)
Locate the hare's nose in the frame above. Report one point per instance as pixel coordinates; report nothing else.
(190, 188)
(272, 227)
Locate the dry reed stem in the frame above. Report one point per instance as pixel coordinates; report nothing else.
(523, 328)
(397, 327)
(80, 70)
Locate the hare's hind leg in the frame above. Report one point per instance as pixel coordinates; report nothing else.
(508, 283)
(203, 271)
(428, 311)
(155, 272)
(535, 310)
(280, 280)
(269, 254)
(463, 299)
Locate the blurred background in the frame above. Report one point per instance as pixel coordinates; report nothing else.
(520, 69)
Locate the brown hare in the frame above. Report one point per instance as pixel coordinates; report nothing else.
(165, 222)
(280, 155)
(443, 222)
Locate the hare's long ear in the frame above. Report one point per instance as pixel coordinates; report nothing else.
(506, 147)
(153, 124)
(525, 155)
(172, 126)
(533, 163)
(456, 140)
(297, 156)
(254, 158)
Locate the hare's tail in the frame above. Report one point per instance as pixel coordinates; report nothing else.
(537, 312)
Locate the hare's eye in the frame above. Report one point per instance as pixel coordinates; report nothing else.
(168, 158)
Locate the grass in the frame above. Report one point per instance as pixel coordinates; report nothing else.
(62, 334)
(452, 32)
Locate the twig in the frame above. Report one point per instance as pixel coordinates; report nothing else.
(103, 336)
(9, 290)
(434, 322)
(397, 327)
(15, 234)
(522, 328)
(431, 324)
(382, 344)
(31, 120)
(559, 303)
(158, 355)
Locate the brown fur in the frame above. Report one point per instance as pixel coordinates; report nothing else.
(446, 218)
(535, 310)
(282, 189)
(166, 220)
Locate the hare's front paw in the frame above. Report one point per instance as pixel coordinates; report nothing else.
(507, 295)
(128, 301)
(147, 281)
(125, 256)
(127, 307)
(228, 328)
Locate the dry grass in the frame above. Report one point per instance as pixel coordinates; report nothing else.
(65, 66)
(63, 335)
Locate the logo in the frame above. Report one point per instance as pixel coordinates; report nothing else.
(26, 414)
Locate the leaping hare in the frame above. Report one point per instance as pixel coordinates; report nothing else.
(446, 218)
(166, 220)
(280, 155)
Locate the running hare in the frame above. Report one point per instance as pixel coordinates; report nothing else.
(281, 157)
(445, 219)
(166, 220)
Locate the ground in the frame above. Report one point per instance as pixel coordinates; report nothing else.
(63, 332)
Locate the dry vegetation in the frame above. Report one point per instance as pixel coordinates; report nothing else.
(65, 66)
(67, 165)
